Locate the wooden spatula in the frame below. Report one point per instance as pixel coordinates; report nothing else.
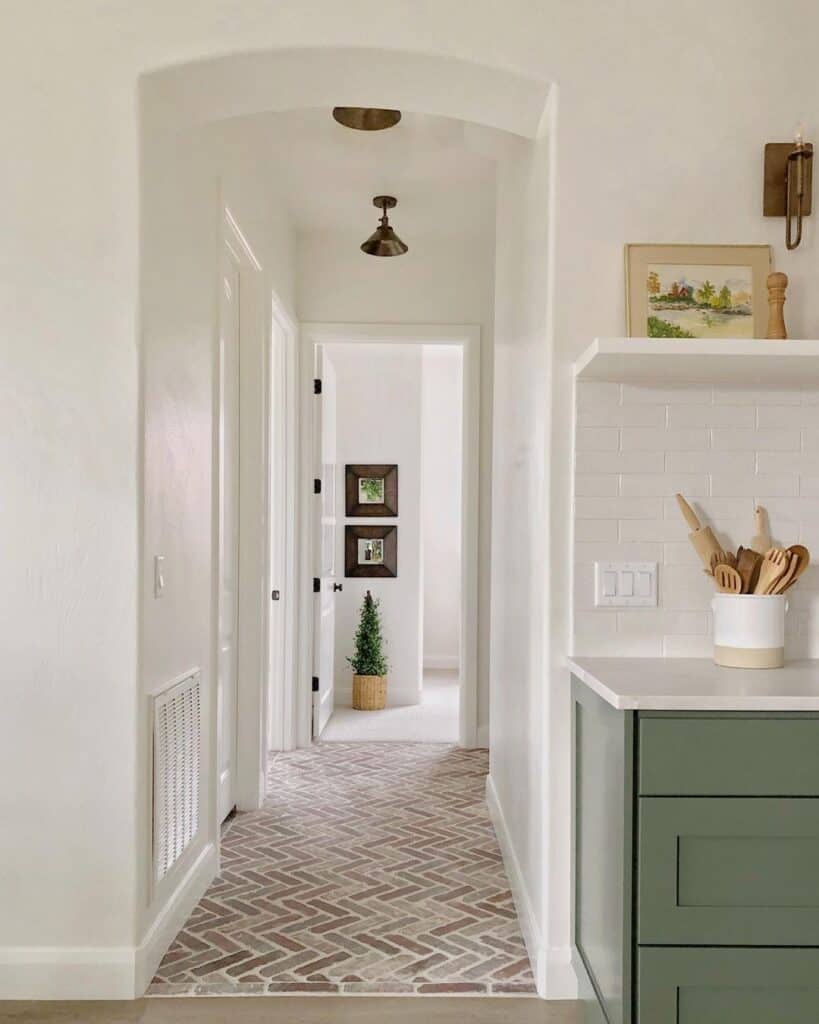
(747, 567)
(787, 577)
(774, 566)
(727, 579)
(702, 537)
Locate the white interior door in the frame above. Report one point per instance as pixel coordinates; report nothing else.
(325, 518)
(228, 530)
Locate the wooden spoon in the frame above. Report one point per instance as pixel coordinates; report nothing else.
(803, 556)
(727, 579)
(747, 567)
(761, 540)
(774, 565)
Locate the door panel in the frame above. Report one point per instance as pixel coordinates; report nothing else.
(326, 526)
(228, 531)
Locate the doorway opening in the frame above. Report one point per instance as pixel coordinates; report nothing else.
(388, 521)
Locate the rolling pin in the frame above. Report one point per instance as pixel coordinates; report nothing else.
(702, 537)
(761, 540)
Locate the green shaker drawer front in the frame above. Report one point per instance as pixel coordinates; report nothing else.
(723, 986)
(731, 872)
(729, 756)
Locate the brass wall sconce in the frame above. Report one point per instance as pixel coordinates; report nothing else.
(789, 184)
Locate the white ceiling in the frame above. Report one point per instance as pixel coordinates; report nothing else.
(329, 174)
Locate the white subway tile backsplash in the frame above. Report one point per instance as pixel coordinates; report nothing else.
(694, 394)
(663, 484)
(593, 530)
(634, 439)
(622, 416)
(592, 393)
(619, 462)
(793, 416)
(710, 462)
(617, 508)
(711, 416)
(596, 484)
(726, 450)
(730, 440)
(779, 485)
(656, 530)
(597, 439)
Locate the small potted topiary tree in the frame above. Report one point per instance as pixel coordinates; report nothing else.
(369, 664)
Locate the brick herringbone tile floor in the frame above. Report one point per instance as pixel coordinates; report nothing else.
(372, 867)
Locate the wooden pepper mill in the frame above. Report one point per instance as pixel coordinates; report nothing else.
(777, 283)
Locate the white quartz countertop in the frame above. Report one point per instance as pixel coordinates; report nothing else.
(697, 684)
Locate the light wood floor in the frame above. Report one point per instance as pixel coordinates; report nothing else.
(298, 1010)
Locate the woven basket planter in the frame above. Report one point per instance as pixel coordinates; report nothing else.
(369, 693)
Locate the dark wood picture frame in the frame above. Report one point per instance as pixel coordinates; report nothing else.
(355, 473)
(387, 568)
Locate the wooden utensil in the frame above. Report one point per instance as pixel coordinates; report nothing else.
(727, 579)
(787, 577)
(747, 567)
(803, 556)
(761, 540)
(774, 565)
(723, 558)
(702, 537)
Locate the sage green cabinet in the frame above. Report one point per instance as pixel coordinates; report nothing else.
(696, 864)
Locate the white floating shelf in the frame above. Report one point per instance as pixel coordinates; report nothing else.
(740, 362)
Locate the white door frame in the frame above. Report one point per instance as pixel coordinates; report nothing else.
(468, 338)
(260, 310)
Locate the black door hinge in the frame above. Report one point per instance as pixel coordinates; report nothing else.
(316, 585)
(317, 486)
(317, 386)
(315, 684)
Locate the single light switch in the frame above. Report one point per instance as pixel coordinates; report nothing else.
(625, 584)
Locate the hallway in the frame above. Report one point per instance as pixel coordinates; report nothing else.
(371, 868)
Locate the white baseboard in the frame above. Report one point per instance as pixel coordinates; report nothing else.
(67, 972)
(551, 966)
(442, 662)
(106, 972)
(173, 915)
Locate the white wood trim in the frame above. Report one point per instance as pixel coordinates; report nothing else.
(468, 337)
(529, 927)
(733, 362)
(442, 663)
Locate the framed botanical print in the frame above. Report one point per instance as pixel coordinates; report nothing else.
(370, 551)
(697, 291)
(371, 490)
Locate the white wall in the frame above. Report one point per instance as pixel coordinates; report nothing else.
(378, 420)
(520, 516)
(727, 450)
(441, 432)
(442, 279)
(69, 295)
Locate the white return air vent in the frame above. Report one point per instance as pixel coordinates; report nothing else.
(177, 715)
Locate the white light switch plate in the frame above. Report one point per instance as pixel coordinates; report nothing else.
(625, 584)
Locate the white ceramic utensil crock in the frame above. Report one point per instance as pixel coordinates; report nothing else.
(749, 630)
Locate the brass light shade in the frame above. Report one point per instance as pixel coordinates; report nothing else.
(366, 119)
(384, 241)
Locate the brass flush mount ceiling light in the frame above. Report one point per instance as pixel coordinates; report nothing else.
(366, 119)
(384, 241)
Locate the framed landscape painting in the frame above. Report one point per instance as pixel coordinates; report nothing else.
(371, 490)
(697, 291)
